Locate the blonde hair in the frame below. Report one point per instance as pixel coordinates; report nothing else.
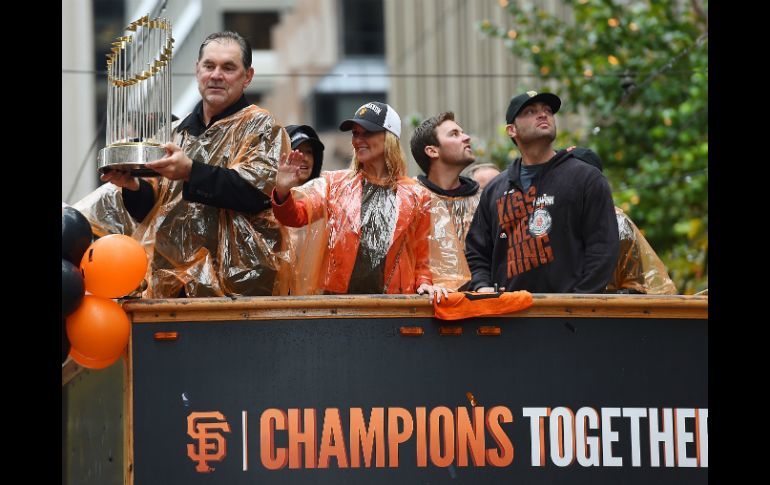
(394, 159)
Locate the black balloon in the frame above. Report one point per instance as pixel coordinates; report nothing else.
(65, 341)
(75, 235)
(72, 287)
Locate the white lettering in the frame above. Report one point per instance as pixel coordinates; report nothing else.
(702, 438)
(562, 432)
(636, 451)
(373, 107)
(587, 447)
(665, 436)
(536, 430)
(609, 437)
(683, 437)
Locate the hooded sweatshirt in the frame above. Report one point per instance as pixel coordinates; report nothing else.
(558, 236)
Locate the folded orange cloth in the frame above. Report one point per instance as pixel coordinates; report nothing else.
(469, 304)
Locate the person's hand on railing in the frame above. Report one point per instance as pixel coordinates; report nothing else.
(434, 290)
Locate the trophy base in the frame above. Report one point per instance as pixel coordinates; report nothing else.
(131, 157)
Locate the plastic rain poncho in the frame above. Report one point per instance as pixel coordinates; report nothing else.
(206, 250)
(335, 199)
(638, 268)
(450, 219)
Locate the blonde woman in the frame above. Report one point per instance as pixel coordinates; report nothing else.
(377, 219)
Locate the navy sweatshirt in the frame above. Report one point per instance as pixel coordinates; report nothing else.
(560, 236)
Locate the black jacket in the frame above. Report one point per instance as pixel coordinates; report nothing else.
(560, 236)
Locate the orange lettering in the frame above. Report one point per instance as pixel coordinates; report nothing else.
(307, 438)
(495, 416)
(442, 435)
(271, 420)
(501, 216)
(359, 435)
(422, 448)
(528, 254)
(544, 250)
(394, 435)
(520, 211)
(332, 440)
(470, 437)
(529, 198)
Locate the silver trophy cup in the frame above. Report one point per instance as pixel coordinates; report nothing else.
(138, 98)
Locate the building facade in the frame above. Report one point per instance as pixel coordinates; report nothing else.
(315, 62)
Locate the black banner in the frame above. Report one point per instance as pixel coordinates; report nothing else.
(550, 400)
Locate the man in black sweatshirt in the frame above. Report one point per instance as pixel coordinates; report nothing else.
(547, 223)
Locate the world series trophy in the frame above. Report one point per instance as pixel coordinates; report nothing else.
(138, 98)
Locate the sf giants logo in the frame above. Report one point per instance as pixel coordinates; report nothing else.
(211, 444)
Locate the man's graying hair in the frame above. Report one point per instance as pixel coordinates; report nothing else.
(234, 37)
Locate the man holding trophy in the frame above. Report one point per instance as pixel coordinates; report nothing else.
(205, 218)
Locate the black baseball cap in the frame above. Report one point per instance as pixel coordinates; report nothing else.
(302, 133)
(375, 116)
(518, 103)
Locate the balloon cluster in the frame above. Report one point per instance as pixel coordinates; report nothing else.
(95, 329)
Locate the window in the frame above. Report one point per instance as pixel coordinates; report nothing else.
(363, 28)
(254, 26)
(331, 108)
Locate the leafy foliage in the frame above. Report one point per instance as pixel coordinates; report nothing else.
(637, 72)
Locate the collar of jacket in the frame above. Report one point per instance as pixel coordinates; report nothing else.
(514, 169)
(467, 187)
(193, 124)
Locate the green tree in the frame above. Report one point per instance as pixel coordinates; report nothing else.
(637, 72)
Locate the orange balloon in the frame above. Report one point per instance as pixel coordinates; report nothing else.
(91, 363)
(98, 329)
(113, 266)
